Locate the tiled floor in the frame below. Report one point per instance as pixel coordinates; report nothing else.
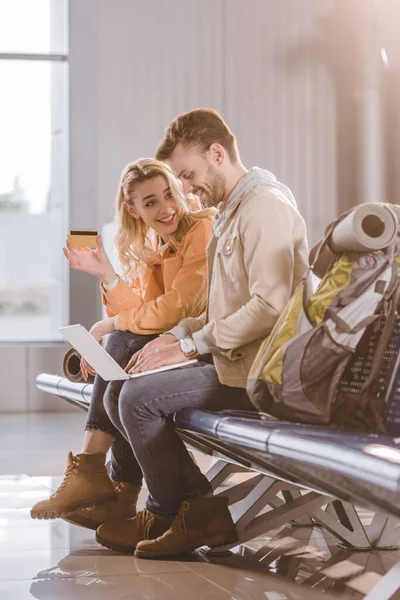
(56, 560)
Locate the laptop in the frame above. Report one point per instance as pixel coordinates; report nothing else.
(102, 362)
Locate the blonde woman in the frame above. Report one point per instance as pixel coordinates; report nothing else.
(161, 242)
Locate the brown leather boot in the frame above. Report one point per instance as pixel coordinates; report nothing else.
(124, 535)
(86, 483)
(201, 521)
(124, 508)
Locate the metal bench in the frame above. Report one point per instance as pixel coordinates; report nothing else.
(298, 476)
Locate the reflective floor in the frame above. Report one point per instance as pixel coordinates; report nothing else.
(60, 561)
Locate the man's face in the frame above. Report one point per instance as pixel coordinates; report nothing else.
(198, 174)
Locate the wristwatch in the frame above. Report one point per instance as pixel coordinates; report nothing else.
(188, 347)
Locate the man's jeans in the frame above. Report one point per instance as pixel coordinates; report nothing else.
(144, 415)
(122, 346)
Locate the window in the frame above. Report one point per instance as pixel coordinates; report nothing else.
(33, 173)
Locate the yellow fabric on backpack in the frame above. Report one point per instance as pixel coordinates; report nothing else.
(284, 330)
(332, 284)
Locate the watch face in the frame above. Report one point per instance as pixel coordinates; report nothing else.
(187, 345)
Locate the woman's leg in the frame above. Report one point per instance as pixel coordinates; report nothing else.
(86, 482)
(125, 471)
(96, 441)
(100, 432)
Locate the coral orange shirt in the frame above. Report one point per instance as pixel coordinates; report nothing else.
(167, 292)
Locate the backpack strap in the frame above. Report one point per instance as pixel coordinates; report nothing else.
(384, 339)
(307, 293)
(321, 255)
(343, 327)
(306, 281)
(323, 245)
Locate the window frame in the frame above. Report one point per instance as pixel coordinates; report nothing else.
(62, 316)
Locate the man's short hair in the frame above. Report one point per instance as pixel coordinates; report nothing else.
(198, 128)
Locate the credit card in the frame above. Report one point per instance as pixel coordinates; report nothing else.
(83, 238)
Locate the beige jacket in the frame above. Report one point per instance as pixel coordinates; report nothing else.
(255, 260)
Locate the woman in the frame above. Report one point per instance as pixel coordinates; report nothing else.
(161, 244)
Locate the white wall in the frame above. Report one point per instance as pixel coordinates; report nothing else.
(281, 105)
(145, 62)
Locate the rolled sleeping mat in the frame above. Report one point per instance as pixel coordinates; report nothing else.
(72, 367)
(367, 228)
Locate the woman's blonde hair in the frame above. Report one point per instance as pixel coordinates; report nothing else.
(133, 240)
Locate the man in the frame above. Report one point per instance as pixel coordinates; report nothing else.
(256, 257)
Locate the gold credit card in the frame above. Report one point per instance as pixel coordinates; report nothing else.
(83, 238)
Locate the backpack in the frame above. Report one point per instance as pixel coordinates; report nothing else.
(330, 357)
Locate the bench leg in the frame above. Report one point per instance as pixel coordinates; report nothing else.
(251, 524)
(261, 491)
(220, 471)
(384, 532)
(303, 521)
(239, 491)
(342, 520)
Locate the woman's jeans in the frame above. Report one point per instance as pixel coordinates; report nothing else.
(143, 414)
(122, 345)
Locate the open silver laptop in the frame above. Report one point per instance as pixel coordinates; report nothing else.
(100, 360)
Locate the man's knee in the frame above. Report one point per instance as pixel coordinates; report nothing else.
(133, 399)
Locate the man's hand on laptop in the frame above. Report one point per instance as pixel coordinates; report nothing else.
(162, 356)
(157, 350)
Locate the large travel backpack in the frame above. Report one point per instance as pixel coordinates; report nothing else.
(333, 355)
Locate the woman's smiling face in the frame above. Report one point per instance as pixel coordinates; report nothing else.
(153, 202)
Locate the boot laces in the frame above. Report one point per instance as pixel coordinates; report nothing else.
(70, 473)
(179, 524)
(145, 520)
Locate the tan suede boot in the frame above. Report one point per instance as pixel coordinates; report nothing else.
(124, 535)
(86, 483)
(202, 521)
(124, 508)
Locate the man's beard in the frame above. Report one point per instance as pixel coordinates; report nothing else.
(215, 187)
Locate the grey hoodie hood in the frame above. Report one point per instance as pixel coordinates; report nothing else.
(253, 178)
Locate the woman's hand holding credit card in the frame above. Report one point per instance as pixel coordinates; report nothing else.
(84, 251)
